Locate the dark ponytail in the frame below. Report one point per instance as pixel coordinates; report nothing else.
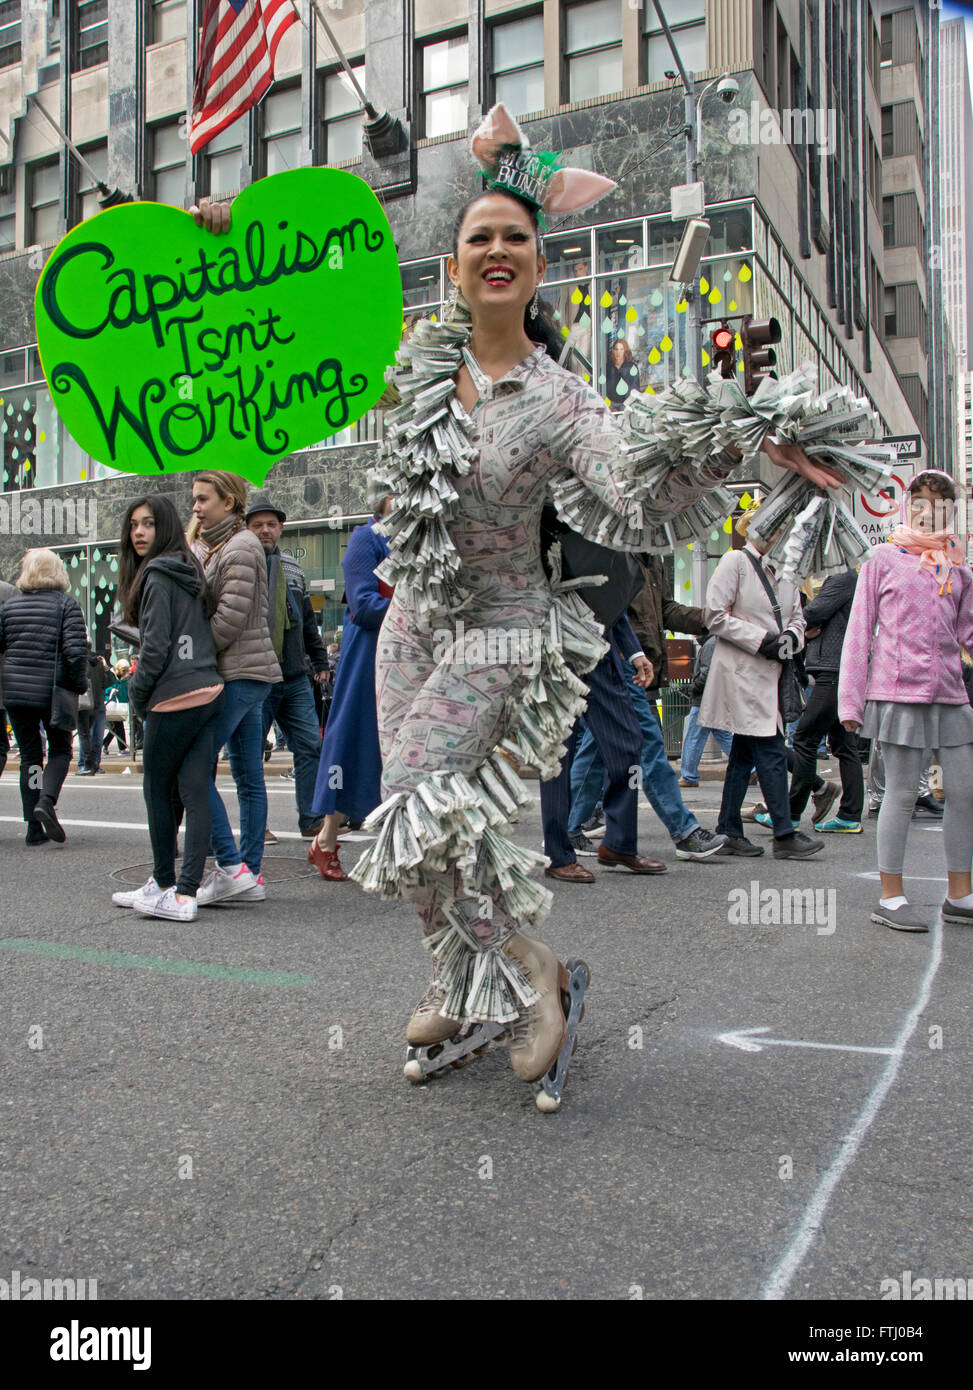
(543, 328)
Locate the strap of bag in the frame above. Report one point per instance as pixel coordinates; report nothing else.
(60, 625)
(767, 585)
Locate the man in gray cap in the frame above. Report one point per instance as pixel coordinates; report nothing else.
(297, 642)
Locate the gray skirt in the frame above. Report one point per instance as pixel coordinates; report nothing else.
(918, 726)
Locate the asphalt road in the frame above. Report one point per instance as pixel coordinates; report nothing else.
(176, 1133)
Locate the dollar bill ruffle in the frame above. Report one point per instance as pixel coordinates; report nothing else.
(481, 982)
(427, 437)
(447, 822)
(819, 535)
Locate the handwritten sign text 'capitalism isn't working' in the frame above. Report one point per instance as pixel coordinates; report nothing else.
(168, 348)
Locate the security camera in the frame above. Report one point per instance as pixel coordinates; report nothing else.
(727, 88)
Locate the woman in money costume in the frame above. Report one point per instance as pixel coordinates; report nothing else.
(479, 650)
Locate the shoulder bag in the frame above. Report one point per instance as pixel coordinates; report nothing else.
(790, 696)
(64, 703)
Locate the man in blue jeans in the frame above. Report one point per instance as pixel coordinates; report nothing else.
(659, 781)
(297, 642)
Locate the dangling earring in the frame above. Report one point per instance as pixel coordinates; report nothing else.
(534, 305)
(452, 302)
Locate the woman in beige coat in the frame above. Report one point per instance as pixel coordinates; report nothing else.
(235, 567)
(743, 690)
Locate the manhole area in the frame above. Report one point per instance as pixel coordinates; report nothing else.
(275, 869)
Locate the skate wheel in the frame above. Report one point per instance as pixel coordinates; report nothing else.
(547, 1103)
(413, 1072)
(460, 1063)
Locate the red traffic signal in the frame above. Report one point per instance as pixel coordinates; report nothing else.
(722, 353)
(758, 357)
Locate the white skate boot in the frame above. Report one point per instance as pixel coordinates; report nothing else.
(437, 1044)
(542, 1040)
(427, 1025)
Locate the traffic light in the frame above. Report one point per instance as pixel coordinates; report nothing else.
(758, 357)
(722, 352)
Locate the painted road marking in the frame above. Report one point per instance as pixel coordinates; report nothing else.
(127, 961)
(790, 1262)
(746, 1041)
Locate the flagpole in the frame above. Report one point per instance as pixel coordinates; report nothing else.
(369, 109)
(110, 197)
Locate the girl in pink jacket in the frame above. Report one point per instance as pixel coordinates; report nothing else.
(901, 683)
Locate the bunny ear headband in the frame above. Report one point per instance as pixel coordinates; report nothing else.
(511, 166)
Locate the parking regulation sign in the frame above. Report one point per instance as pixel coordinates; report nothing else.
(877, 515)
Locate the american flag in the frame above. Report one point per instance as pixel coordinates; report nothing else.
(237, 48)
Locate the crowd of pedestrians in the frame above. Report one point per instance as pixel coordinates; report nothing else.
(229, 648)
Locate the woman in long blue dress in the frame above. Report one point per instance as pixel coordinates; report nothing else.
(350, 771)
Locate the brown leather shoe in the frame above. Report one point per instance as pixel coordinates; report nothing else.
(570, 873)
(635, 863)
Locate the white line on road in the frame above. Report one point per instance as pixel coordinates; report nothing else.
(137, 825)
(777, 1285)
(749, 1040)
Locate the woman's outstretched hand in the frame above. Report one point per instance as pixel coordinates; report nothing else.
(215, 217)
(792, 456)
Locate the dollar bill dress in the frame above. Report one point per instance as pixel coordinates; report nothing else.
(480, 651)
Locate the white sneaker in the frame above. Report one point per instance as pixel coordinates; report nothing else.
(257, 893)
(225, 883)
(148, 894)
(169, 906)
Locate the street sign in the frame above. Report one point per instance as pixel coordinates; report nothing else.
(877, 515)
(906, 446)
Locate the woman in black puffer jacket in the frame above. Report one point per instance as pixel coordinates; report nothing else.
(43, 642)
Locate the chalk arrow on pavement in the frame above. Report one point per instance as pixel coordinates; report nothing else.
(752, 1040)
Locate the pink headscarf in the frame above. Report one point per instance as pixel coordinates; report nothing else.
(939, 550)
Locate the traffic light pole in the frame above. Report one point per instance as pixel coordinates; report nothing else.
(694, 326)
(694, 330)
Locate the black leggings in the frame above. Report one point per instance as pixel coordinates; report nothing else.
(26, 720)
(178, 757)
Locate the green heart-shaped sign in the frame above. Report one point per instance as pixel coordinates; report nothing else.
(167, 348)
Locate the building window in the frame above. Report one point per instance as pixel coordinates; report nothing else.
(445, 85)
(86, 201)
(783, 71)
(44, 193)
(887, 134)
(281, 116)
(517, 64)
(91, 34)
(593, 48)
(168, 21)
(888, 221)
(8, 210)
(688, 29)
(9, 33)
(341, 124)
(889, 305)
(225, 158)
(886, 43)
(168, 155)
